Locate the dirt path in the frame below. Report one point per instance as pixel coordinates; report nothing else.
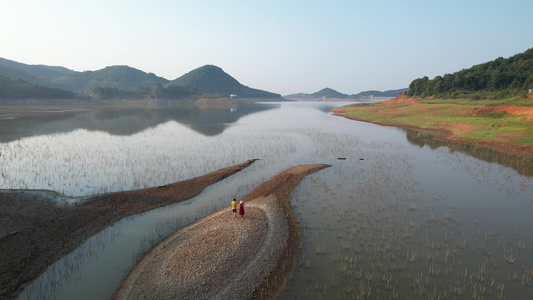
(227, 257)
(34, 234)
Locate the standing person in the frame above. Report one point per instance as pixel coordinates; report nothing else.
(234, 207)
(241, 209)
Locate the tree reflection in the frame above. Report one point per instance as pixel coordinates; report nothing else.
(522, 165)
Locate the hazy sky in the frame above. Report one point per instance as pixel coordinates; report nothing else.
(279, 46)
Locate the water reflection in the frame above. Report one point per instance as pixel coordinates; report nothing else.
(207, 119)
(406, 222)
(522, 165)
(16, 128)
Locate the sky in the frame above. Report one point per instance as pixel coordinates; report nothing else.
(279, 46)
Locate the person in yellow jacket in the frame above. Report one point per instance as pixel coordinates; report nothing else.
(234, 207)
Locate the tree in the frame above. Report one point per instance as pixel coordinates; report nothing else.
(501, 77)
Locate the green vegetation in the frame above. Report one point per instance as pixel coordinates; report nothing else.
(498, 79)
(115, 77)
(125, 82)
(328, 93)
(520, 100)
(528, 140)
(39, 74)
(20, 89)
(211, 79)
(464, 119)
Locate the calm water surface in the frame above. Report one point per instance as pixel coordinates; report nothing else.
(400, 218)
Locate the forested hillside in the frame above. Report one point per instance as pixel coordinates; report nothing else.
(211, 79)
(123, 82)
(32, 73)
(500, 78)
(117, 77)
(328, 93)
(20, 89)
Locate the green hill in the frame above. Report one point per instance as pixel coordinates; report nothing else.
(20, 89)
(328, 93)
(21, 75)
(116, 77)
(125, 81)
(323, 93)
(500, 78)
(389, 93)
(211, 79)
(39, 74)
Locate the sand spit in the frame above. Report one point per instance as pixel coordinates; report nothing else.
(227, 257)
(34, 234)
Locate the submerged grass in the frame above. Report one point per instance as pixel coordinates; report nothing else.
(388, 238)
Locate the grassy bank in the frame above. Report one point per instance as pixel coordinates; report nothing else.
(504, 125)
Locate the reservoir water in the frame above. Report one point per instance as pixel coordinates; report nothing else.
(400, 216)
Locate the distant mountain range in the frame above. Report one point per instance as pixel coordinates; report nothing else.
(328, 93)
(125, 81)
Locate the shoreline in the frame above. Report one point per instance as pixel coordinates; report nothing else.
(445, 135)
(403, 112)
(34, 234)
(223, 256)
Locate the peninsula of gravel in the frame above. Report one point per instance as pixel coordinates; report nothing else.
(223, 256)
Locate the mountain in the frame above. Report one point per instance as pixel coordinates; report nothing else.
(21, 75)
(33, 73)
(125, 81)
(500, 78)
(389, 93)
(21, 89)
(328, 93)
(211, 79)
(117, 77)
(296, 96)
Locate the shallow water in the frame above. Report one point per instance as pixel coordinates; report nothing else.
(399, 217)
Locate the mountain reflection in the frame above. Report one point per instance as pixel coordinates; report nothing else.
(207, 119)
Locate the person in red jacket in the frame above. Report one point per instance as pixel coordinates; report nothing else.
(241, 209)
